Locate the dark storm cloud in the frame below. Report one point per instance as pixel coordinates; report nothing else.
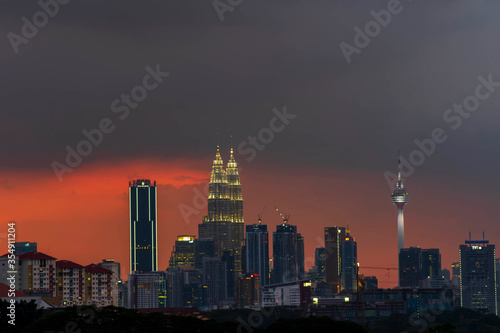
(228, 76)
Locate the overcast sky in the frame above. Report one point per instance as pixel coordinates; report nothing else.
(227, 76)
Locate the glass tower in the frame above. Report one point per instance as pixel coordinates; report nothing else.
(478, 276)
(143, 226)
(257, 252)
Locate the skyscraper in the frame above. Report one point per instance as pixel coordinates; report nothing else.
(431, 263)
(333, 243)
(416, 264)
(349, 263)
(478, 275)
(319, 263)
(400, 198)
(143, 226)
(257, 252)
(300, 258)
(285, 259)
(224, 222)
(183, 252)
(237, 223)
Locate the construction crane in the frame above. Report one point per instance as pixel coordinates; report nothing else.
(261, 214)
(405, 270)
(285, 217)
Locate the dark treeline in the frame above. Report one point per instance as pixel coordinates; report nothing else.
(113, 319)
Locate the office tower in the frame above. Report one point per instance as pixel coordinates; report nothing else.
(183, 252)
(371, 282)
(37, 274)
(203, 247)
(98, 285)
(333, 242)
(455, 273)
(300, 258)
(143, 226)
(70, 283)
(147, 290)
(400, 198)
(285, 256)
(410, 266)
(257, 251)
(349, 263)
(477, 275)
(416, 264)
(431, 263)
(113, 266)
(25, 247)
(247, 291)
(317, 272)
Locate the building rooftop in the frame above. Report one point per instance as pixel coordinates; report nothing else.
(93, 268)
(4, 291)
(67, 264)
(35, 256)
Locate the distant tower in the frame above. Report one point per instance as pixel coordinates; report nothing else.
(478, 288)
(143, 226)
(400, 198)
(257, 251)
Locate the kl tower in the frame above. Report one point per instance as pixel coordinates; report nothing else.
(400, 198)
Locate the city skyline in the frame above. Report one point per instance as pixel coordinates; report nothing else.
(387, 282)
(330, 129)
(310, 244)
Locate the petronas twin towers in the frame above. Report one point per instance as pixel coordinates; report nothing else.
(224, 222)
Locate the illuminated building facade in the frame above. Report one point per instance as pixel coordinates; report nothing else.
(147, 290)
(37, 273)
(113, 266)
(224, 222)
(478, 276)
(183, 253)
(247, 294)
(70, 283)
(143, 226)
(98, 285)
(349, 263)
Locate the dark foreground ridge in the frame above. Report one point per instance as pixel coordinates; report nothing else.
(113, 319)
